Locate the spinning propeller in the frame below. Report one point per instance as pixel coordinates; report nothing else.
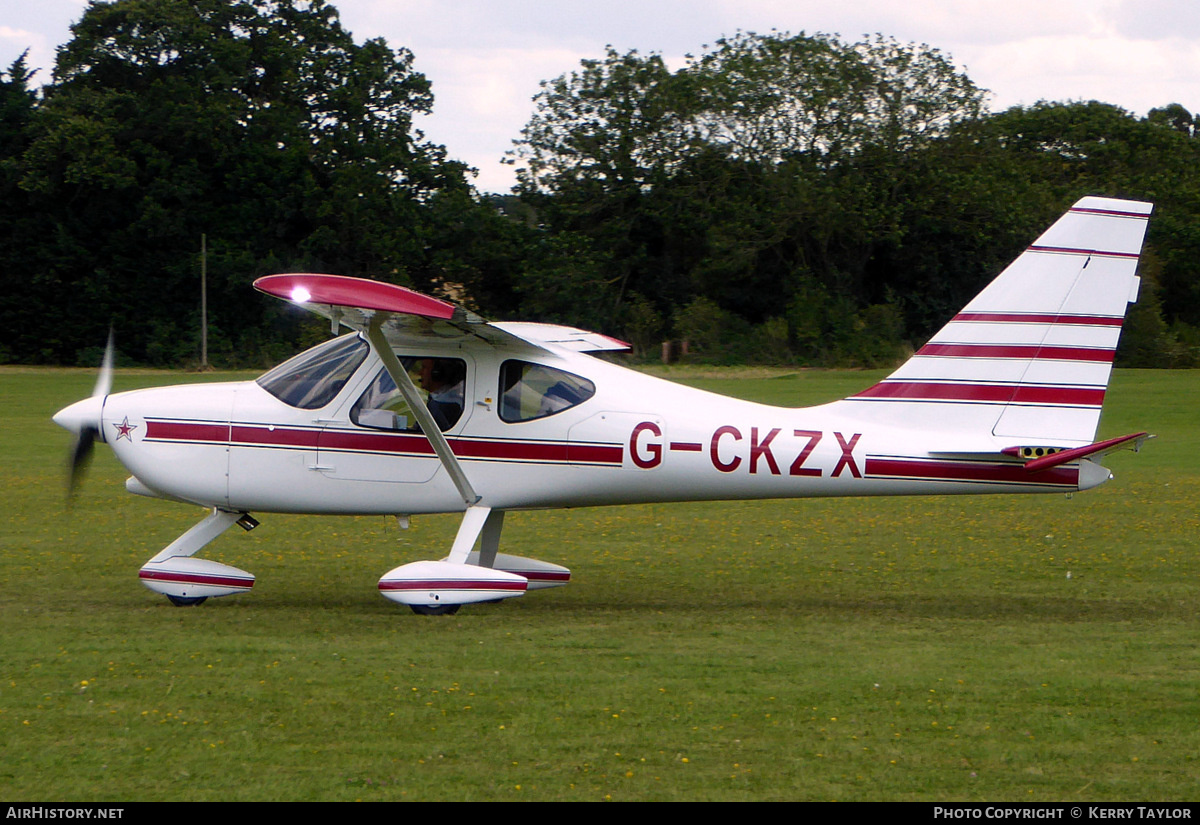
(83, 419)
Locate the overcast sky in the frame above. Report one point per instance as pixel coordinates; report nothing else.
(486, 57)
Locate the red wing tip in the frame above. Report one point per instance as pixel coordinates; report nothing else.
(357, 293)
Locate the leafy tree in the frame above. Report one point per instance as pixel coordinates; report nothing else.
(1174, 117)
(766, 156)
(1067, 150)
(608, 125)
(599, 140)
(19, 222)
(258, 122)
(769, 98)
(780, 197)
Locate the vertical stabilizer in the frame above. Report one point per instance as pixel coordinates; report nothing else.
(1029, 359)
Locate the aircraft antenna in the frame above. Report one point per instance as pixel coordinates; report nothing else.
(203, 301)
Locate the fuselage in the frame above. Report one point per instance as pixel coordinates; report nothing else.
(633, 438)
(429, 408)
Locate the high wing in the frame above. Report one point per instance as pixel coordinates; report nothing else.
(570, 338)
(392, 316)
(408, 317)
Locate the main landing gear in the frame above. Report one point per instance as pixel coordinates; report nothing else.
(429, 588)
(188, 581)
(439, 588)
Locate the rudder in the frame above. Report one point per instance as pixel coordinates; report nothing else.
(1029, 359)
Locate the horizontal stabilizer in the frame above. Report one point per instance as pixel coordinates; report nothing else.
(1061, 457)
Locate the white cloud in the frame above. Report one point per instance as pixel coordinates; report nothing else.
(486, 57)
(14, 42)
(936, 22)
(1135, 74)
(484, 101)
(1156, 19)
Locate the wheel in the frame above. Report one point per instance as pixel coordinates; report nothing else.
(435, 609)
(186, 601)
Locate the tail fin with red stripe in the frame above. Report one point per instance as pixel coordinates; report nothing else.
(1029, 359)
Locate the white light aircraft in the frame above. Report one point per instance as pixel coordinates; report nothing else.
(427, 408)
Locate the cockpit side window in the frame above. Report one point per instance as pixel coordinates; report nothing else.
(530, 391)
(439, 380)
(313, 378)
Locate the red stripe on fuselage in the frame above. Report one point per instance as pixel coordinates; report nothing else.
(381, 443)
(187, 431)
(920, 470)
(273, 436)
(468, 449)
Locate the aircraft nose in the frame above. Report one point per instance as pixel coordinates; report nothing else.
(81, 414)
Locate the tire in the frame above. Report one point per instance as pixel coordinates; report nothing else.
(435, 609)
(187, 601)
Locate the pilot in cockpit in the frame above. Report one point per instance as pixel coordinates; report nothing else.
(443, 379)
(440, 380)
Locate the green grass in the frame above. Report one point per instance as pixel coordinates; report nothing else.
(920, 648)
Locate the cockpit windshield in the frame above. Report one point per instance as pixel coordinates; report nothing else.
(313, 378)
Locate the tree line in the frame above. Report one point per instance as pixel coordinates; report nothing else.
(792, 199)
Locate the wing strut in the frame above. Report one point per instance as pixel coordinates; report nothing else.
(428, 426)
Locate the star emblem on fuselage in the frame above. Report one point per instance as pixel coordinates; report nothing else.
(124, 429)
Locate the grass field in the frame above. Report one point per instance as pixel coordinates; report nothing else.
(1025, 648)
